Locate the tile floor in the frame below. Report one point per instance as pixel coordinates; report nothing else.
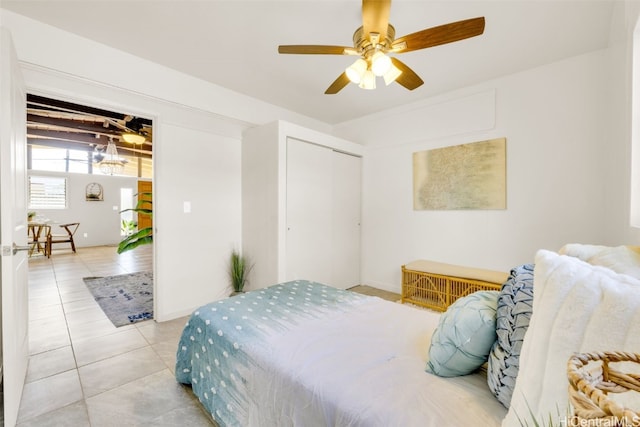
(83, 371)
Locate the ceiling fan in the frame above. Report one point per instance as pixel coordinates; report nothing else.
(376, 38)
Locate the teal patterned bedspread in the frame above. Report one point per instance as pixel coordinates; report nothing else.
(224, 341)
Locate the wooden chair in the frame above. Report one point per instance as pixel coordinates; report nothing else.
(70, 229)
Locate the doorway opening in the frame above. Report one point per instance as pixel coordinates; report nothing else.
(102, 154)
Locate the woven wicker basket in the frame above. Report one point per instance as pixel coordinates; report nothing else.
(589, 388)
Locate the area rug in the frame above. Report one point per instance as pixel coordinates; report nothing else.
(126, 298)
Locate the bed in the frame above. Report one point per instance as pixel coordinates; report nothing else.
(306, 354)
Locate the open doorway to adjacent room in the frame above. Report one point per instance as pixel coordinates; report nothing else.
(103, 158)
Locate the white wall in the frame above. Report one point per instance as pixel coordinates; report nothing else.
(261, 213)
(98, 219)
(552, 119)
(193, 249)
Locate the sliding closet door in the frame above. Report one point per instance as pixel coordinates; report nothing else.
(309, 212)
(346, 220)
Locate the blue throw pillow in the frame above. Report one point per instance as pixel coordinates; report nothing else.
(514, 311)
(462, 341)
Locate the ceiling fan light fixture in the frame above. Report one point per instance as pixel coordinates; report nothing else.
(368, 80)
(391, 75)
(133, 138)
(356, 71)
(380, 63)
(376, 38)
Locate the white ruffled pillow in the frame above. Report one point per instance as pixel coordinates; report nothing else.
(577, 307)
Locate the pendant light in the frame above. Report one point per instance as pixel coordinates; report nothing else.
(111, 164)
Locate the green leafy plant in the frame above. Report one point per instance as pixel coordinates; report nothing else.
(239, 268)
(140, 237)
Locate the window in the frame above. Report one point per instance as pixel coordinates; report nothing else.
(49, 159)
(59, 159)
(47, 192)
(635, 131)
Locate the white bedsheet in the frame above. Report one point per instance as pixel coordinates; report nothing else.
(372, 375)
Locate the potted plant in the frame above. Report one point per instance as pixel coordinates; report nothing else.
(239, 269)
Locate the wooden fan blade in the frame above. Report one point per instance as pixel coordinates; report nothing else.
(313, 49)
(375, 17)
(442, 34)
(408, 78)
(338, 84)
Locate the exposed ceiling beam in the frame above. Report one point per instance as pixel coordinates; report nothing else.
(65, 125)
(35, 101)
(87, 127)
(69, 136)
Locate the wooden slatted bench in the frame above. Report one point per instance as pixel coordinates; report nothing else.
(437, 285)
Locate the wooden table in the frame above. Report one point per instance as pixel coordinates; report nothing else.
(37, 237)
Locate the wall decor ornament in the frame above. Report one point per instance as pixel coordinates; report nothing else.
(93, 192)
(468, 176)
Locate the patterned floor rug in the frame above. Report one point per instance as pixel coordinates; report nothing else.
(126, 298)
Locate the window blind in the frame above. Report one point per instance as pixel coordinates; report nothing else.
(47, 192)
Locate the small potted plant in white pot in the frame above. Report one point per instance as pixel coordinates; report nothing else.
(239, 269)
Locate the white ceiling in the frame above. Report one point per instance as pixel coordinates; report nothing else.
(234, 43)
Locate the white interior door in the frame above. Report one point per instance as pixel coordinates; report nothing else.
(309, 212)
(13, 229)
(346, 220)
